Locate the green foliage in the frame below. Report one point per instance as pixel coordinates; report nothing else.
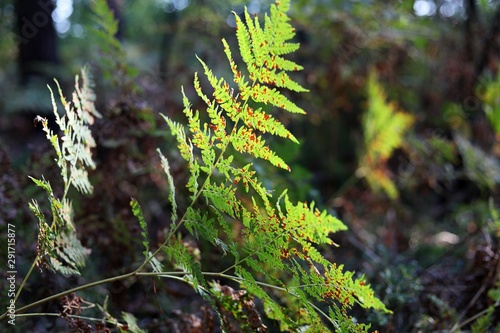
(111, 57)
(137, 211)
(239, 305)
(481, 168)
(495, 218)
(486, 319)
(271, 245)
(131, 326)
(277, 241)
(490, 96)
(384, 128)
(58, 245)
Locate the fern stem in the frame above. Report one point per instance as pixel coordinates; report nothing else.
(69, 291)
(53, 314)
(347, 185)
(459, 325)
(26, 277)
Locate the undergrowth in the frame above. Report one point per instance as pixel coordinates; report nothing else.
(273, 269)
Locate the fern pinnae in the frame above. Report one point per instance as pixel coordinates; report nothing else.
(171, 198)
(281, 240)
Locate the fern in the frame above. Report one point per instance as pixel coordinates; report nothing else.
(137, 211)
(275, 257)
(58, 246)
(383, 128)
(485, 320)
(491, 99)
(111, 56)
(480, 167)
(278, 245)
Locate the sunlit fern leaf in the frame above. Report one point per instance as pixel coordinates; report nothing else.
(58, 245)
(171, 198)
(132, 325)
(272, 309)
(274, 251)
(184, 260)
(310, 223)
(384, 128)
(186, 151)
(246, 140)
(262, 64)
(73, 147)
(489, 93)
(137, 211)
(69, 249)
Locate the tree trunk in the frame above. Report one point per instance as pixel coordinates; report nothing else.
(37, 39)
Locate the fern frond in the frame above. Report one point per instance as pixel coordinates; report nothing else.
(73, 148)
(170, 179)
(185, 261)
(308, 223)
(186, 151)
(384, 128)
(137, 211)
(58, 245)
(490, 96)
(132, 325)
(267, 72)
(112, 57)
(272, 309)
(276, 246)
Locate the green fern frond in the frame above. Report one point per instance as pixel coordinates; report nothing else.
(171, 198)
(490, 96)
(383, 128)
(112, 57)
(267, 72)
(272, 309)
(105, 19)
(184, 260)
(276, 247)
(58, 245)
(132, 325)
(137, 211)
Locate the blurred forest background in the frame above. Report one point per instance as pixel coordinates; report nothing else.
(401, 142)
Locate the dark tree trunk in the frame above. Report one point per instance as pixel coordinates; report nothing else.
(37, 39)
(490, 47)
